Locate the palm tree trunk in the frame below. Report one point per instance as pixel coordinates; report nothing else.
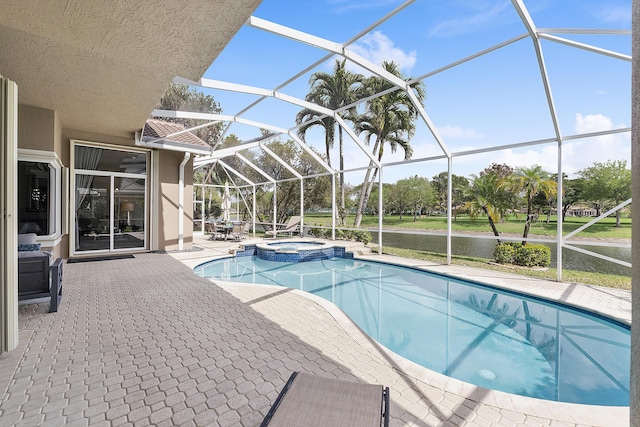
(327, 145)
(367, 186)
(492, 224)
(363, 198)
(367, 194)
(527, 223)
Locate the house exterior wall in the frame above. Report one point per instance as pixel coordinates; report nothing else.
(169, 176)
(39, 129)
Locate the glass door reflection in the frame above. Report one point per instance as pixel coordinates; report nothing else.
(129, 213)
(93, 213)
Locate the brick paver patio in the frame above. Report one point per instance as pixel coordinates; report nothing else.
(143, 341)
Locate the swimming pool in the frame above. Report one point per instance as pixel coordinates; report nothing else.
(478, 334)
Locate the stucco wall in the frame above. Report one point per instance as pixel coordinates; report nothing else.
(37, 128)
(169, 174)
(68, 134)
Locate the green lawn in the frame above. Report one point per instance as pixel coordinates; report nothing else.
(604, 229)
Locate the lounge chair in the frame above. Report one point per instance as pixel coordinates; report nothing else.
(293, 226)
(310, 401)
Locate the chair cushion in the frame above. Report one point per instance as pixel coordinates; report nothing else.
(28, 247)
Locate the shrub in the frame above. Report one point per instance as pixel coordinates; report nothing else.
(341, 234)
(530, 255)
(533, 255)
(320, 233)
(504, 253)
(362, 236)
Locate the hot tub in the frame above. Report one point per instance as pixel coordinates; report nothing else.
(295, 251)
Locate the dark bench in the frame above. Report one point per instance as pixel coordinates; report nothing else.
(37, 280)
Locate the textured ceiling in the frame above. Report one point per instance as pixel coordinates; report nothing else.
(103, 65)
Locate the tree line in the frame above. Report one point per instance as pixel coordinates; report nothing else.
(388, 122)
(499, 190)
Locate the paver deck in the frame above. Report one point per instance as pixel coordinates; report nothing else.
(144, 341)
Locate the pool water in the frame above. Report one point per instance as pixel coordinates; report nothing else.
(484, 336)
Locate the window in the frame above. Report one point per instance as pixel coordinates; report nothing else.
(39, 193)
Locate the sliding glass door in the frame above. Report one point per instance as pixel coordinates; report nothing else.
(110, 199)
(93, 213)
(129, 210)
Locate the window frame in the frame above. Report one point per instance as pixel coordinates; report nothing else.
(73, 171)
(55, 191)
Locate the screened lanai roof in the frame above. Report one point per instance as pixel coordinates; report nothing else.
(506, 82)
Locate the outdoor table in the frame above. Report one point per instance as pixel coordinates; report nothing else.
(223, 228)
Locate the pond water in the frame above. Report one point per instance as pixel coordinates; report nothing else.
(483, 248)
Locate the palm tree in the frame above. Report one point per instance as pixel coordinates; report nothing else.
(530, 182)
(333, 91)
(486, 196)
(388, 119)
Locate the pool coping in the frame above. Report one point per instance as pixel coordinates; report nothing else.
(562, 292)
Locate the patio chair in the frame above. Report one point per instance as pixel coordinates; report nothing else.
(293, 226)
(310, 401)
(239, 230)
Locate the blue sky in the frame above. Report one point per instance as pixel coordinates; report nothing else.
(494, 100)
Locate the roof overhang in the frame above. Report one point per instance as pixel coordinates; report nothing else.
(168, 144)
(103, 66)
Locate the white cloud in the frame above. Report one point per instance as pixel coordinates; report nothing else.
(450, 131)
(377, 48)
(592, 123)
(581, 153)
(616, 15)
(485, 18)
(576, 154)
(345, 6)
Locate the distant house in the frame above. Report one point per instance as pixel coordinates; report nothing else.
(581, 211)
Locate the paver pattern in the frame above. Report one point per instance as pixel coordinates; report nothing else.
(143, 341)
